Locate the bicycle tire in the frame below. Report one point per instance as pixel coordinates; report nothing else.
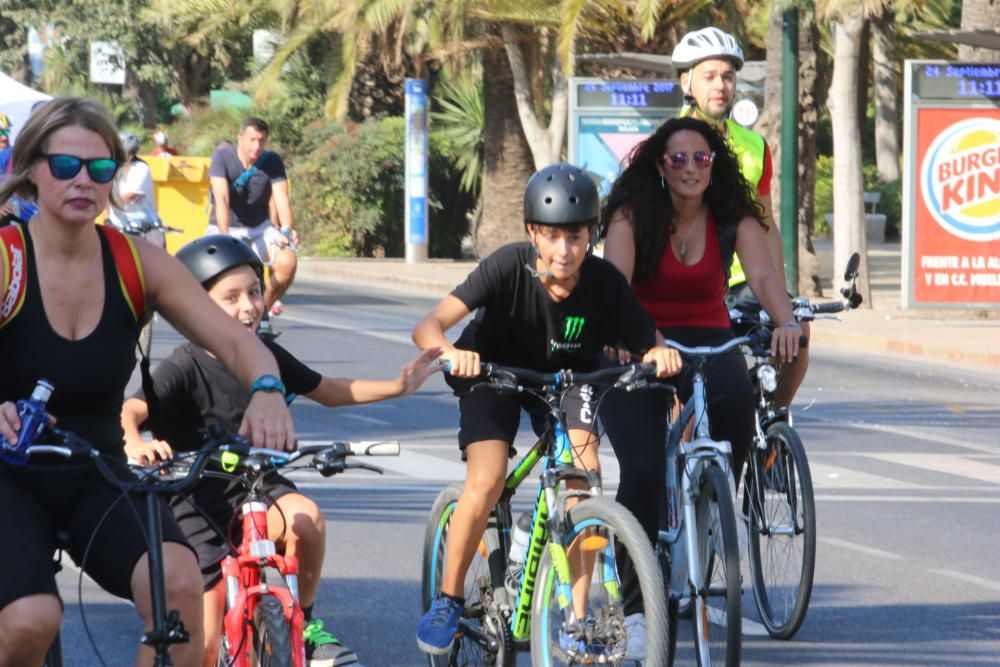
(485, 574)
(54, 656)
(781, 572)
(272, 641)
(597, 515)
(719, 554)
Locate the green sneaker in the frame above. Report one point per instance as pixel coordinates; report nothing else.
(325, 650)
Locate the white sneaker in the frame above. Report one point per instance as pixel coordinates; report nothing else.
(635, 643)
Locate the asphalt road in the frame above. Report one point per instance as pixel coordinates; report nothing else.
(905, 460)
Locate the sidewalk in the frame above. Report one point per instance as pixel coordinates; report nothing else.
(961, 337)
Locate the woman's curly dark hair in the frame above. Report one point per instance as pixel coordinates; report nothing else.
(640, 194)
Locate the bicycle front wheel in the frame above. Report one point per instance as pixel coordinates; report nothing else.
(485, 574)
(778, 492)
(717, 622)
(578, 611)
(272, 640)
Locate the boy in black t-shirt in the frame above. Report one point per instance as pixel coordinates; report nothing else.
(545, 305)
(195, 390)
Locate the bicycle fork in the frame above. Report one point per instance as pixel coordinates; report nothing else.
(245, 586)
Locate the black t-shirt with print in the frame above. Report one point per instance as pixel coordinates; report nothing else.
(519, 324)
(196, 390)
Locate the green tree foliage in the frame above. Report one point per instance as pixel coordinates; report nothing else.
(461, 120)
(347, 188)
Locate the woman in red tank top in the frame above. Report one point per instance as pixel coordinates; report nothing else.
(671, 224)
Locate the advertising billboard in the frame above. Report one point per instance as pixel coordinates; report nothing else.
(951, 226)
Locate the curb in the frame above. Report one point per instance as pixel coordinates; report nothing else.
(367, 272)
(984, 360)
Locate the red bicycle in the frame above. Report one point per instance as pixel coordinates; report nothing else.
(263, 619)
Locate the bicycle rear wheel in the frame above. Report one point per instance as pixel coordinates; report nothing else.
(778, 492)
(717, 622)
(272, 641)
(485, 574)
(600, 532)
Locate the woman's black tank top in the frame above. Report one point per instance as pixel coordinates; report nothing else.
(89, 375)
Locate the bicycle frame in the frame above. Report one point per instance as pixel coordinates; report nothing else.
(555, 453)
(692, 456)
(245, 586)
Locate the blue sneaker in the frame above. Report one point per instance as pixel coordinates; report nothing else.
(438, 627)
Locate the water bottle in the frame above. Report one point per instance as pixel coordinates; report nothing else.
(33, 419)
(519, 539)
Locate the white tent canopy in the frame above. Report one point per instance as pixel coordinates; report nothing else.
(16, 101)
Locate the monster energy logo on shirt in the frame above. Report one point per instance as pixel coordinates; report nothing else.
(574, 327)
(572, 330)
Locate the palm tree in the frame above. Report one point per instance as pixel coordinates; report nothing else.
(887, 154)
(848, 19)
(770, 126)
(979, 15)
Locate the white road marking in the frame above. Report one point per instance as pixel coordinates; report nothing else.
(969, 579)
(844, 544)
(947, 464)
(826, 476)
(363, 418)
(856, 498)
(912, 434)
(393, 337)
(750, 628)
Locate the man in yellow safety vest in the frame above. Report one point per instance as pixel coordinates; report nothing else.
(707, 61)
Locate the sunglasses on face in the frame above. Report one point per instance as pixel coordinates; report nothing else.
(65, 167)
(680, 160)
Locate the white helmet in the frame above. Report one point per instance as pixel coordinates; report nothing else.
(160, 137)
(706, 44)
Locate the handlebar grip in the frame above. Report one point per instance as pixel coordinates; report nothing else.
(374, 448)
(829, 307)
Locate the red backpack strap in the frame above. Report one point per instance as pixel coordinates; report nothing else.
(129, 267)
(14, 257)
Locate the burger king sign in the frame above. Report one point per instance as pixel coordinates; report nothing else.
(961, 179)
(954, 232)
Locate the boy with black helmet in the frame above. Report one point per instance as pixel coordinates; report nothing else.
(524, 295)
(195, 390)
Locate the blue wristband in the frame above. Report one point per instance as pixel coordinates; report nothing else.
(268, 383)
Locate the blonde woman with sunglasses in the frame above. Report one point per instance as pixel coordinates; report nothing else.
(77, 327)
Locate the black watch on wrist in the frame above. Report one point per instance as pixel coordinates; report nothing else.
(268, 383)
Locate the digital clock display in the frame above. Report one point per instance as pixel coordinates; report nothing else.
(956, 81)
(629, 94)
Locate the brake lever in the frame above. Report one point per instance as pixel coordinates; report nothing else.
(365, 466)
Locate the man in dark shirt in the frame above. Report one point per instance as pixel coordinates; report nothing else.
(244, 179)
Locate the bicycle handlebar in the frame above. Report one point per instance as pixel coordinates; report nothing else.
(708, 351)
(70, 445)
(627, 377)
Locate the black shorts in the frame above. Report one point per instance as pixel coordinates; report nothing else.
(487, 414)
(39, 499)
(209, 519)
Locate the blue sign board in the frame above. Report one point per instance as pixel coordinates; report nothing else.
(416, 165)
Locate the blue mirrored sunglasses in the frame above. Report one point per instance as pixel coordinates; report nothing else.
(65, 167)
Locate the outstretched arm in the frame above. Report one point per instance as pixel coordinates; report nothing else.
(335, 392)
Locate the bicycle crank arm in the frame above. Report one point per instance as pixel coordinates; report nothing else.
(474, 632)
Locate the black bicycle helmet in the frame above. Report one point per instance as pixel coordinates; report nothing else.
(561, 194)
(212, 255)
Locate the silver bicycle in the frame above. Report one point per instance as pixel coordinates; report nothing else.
(699, 548)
